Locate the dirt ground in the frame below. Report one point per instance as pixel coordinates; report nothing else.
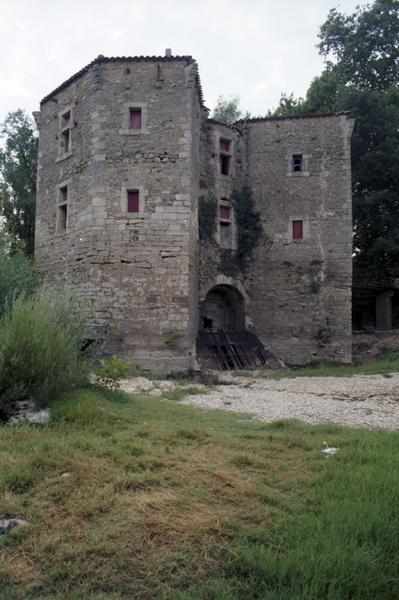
(370, 401)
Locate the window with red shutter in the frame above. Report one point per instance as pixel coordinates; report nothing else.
(133, 201)
(297, 230)
(225, 213)
(135, 118)
(224, 145)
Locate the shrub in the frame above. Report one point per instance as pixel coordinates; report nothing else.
(113, 369)
(40, 348)
(17, 276)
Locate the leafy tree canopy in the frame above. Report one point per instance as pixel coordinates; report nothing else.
(228, 110)
(18, 164)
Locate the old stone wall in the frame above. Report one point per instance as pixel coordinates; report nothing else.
(136, 273)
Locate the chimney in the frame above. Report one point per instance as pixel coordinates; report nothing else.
(168, 52)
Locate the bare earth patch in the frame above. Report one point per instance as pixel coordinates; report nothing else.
(370, 401)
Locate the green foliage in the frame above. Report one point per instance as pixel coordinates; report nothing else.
(207, 215)
(18, 165)
(228, 110)
(17, 276)
(364, 80)
(112, 369)
(249, 227)
(40, 348)
(365, 44)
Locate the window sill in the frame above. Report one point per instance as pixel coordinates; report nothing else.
(133, 216)
(63, 156)
(133, 131)
(298, 174)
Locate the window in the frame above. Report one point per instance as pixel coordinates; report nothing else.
(65, 137)
(225, 213)
(135, 118)
(133, 201)
(225, 156)
(297, 230)
(297, 163)
(65, 140)
(226, 232)
(62, 211)
(224, 164)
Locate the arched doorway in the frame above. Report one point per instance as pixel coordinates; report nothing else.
(223, 309)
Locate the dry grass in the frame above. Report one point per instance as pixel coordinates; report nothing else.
(135, 497)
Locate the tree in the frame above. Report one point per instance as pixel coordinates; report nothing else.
(228, 111)
(365, 44)
(18, 164)
(364, 80)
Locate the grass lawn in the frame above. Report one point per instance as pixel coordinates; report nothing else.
(135, 497)
(386, 364)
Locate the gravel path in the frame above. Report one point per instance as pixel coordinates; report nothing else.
(370, 401)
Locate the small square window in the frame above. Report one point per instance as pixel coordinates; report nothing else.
(297, 163)
(133, 201)
(297, 230)
(62, 218)
(224, 164)
(135, 118)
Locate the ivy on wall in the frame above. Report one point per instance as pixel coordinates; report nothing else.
(207, 215)
(249, 230)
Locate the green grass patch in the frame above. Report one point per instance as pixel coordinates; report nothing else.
(388, 363)
(135, 497)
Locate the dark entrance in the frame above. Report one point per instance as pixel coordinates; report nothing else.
(223, 342)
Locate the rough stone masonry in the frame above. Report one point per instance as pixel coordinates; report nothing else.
(166, 222)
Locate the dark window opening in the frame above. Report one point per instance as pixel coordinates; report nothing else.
(66, 140)
(133, 201)
(297, 163)
(62, 217)
(297, 230)
(64, 194)
(135, 118)
(224, 164)
(66, 118)
(208, 323)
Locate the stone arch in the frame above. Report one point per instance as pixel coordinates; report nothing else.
(223, 308)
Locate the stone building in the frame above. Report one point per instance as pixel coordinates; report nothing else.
(168, 223)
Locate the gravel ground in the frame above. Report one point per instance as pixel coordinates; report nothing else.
(370, 401)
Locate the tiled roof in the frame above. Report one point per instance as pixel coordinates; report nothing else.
(291, 117)
(103, 59)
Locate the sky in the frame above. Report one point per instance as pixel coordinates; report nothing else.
(255, 49)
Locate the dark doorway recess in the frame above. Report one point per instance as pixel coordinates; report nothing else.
(223, 342)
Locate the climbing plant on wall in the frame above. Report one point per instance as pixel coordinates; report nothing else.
(207, 214)
(249, 229)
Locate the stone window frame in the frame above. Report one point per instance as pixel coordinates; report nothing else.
(125, 129)
(227, 202)
(61, 130)
(305, 229)
(227, 154)
(61, 203)
(133, 187)
(305, 162)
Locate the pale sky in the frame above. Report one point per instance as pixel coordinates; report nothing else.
(255, 49)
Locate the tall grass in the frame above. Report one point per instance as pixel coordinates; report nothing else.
(40, 342)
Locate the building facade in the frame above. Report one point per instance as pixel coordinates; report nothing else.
(166, 222)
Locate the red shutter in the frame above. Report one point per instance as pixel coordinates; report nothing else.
(225, 212)
(135, 118)
(224, 146)
(133, 203)
(297, 230)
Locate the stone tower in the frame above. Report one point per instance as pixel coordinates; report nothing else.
(127, 156)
